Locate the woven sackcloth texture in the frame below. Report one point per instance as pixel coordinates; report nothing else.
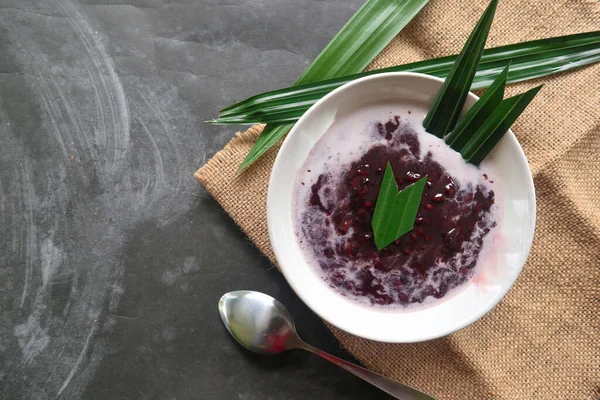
(542, 341)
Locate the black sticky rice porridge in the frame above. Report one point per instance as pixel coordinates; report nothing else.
(336, 192)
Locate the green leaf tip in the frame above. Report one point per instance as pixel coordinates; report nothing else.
(476, 116)
(491, 131)
(395, 211)
(267, 139)
(450, 99)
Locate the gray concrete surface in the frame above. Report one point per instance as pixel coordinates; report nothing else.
(112, 257)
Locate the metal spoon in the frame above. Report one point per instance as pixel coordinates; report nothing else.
(263, 325)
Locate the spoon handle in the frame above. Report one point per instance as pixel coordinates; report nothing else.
(390, 386)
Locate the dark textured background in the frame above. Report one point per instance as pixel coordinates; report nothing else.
(112, 257)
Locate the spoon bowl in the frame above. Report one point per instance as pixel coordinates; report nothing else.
(258, 322)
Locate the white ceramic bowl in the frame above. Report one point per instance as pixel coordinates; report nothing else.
(474, 298)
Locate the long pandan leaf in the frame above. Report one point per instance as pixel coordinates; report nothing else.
(528, 60)
(363, 37)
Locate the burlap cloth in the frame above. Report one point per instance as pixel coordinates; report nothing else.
(542, 341)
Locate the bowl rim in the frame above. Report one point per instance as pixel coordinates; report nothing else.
(280, 257)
